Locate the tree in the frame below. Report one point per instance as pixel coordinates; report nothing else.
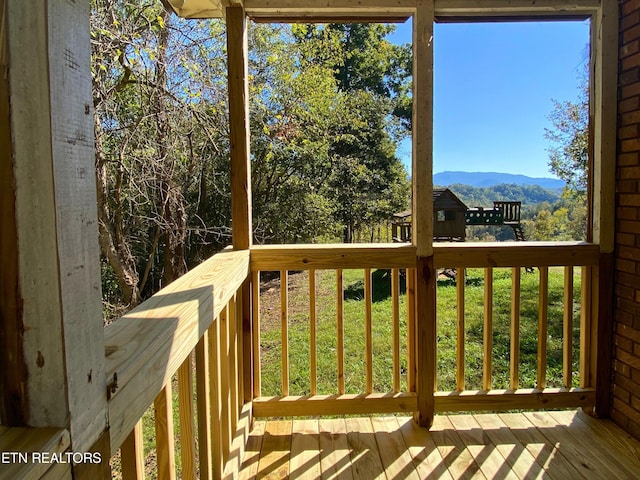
(569, 156)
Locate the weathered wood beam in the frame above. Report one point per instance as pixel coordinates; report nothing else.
(55, 225)
(196, 8)
(519, 8)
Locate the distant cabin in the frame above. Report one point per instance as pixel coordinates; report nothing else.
(448, 219)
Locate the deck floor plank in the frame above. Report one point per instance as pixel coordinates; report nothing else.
(546, 454)
(617, 463)
(249, 468)
(457, 457)
(276, 448)
(573, 447)
(426, 456)
(541, 445)
(516, 455)
(365, 457)
(396, 459)
(335, 462)
(620, 440)
(305, 450)
(484, 452)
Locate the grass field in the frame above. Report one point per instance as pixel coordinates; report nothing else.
(354, 339)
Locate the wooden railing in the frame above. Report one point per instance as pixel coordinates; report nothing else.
(337, 259)
(514, 257)
(194, 324)
(400, 259)
(207, 325)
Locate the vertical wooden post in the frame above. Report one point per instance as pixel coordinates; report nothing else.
(604, 63)
(50, 301)
(460, 330)
(237, 61)
(487, 331)
(514, 376)
(422, 229)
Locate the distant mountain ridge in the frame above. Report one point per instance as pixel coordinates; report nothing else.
(488, 179)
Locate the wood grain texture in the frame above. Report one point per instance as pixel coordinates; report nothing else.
(239, 132)
(56, 219)
(365, 460)
(203, 388)
(305, 450)
(331, 257)
(186, 413)
(274, 456)
(512, 254)
(335, 462)
(255, 315)
(426, 339)
(427, 459)
(334, 404)
(478, 400)
(422, 129)
(147, 346)
(396, 459)
(411, 329)
(27, 440)
(165, 447)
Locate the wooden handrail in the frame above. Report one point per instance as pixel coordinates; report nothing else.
(514, 254)
(146, 346)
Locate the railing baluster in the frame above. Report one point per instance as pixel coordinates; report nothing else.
(132, 455)
(284, 310)
(460, 335)
(514, 382)
(368, 342)
(340, 329)
(235, 304)
(411, 329)
(313, 349)
(257, 371)
(165, 448)
(215, 397)
(543, 302)
(185, 407)
(395, 309)
(225, 383)
(488, 329)
(586, 313)
(203, 388)
(567, 353)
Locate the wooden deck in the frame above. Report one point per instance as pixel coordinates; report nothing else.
(555, 445)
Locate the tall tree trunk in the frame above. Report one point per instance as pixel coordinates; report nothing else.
(171, 202)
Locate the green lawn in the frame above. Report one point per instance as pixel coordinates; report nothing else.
(354, 339)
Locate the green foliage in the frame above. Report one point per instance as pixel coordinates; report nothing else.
(569, 157)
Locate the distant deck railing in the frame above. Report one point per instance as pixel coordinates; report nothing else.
(207, 324)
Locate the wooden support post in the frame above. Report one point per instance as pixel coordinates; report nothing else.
(604, 81)
(237, 55)
(50, 299)
(422, 229)
(165, 448)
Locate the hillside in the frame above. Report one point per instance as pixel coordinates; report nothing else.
(485, 196)
(488, 179)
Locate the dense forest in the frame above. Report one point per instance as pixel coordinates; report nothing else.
(329, 105)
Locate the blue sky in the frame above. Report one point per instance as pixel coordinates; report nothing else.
(493, 90)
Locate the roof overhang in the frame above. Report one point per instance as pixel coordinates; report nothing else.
(385, 10)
